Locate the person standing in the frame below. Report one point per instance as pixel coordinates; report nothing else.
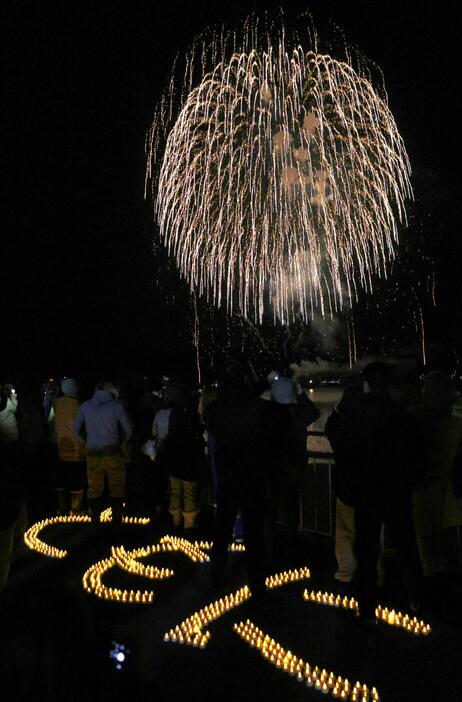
(238, 421)
(13, 517)
(436, 508)
(290, 413)
(71, 473)
(107, 428)
(180, 454)
(344, 465)
(390, 462)
(8, 422)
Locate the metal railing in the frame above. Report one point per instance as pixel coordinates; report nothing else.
(316, 496)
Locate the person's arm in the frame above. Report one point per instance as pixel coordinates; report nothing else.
(155, 427)
(126, 425)
(308, 411)
(77, 425)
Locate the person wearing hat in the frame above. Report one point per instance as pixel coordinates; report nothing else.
(71, 473)
(436, 508)
(106, 427)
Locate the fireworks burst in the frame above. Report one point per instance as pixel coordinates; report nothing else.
(281, 179)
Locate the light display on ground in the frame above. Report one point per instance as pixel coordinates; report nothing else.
(313, 676)
(127, 561)
(106, 516)
(31, 538)
(191, 630)
(383, 614)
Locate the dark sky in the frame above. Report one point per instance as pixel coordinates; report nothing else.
(80, 284)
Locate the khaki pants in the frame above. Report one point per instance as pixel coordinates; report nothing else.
(344, 545)
(110, 466)
(183, 495)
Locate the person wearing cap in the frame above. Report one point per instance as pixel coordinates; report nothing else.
(436, 509)
(290, 414)
(106, 427)
(71, 473)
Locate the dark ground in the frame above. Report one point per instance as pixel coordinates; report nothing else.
(45, 601)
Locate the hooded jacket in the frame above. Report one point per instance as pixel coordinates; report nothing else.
(105, 423)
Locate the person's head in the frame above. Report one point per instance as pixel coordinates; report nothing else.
(50, 389)
(438, 392)
(233, 372)
(271, 377)
(110, 387)
(176, 396)
(8, 391)
(283, 391)
(351, 399)
(69, 387)
(376, 377)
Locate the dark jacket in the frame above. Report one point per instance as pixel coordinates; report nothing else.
(287, 436)
(182, 452)
(387, 454)
(344, 457)
(239, 423)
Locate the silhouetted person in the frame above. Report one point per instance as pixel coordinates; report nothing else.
(238, 424)
(389, 463)
(71, 476)
(345, 461)
(32, 453)
(290, 412)
(436, 508)
(180, 454)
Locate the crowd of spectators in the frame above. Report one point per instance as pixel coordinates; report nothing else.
(239, 449)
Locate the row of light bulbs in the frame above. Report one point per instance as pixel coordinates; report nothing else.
(92, 583)
(31, 536)
(287, 576)
(189, 632)
(319, 679)
(207, 545)
(106, 516)
(127, 561)
(191, 549)
(32, 540)
(403, 621)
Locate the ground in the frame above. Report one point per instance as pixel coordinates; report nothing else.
(402, 666)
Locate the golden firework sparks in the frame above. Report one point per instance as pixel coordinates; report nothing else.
(282, 178)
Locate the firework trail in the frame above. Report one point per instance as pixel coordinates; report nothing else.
(281, 178)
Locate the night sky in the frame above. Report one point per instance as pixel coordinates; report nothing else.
(82, 287)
